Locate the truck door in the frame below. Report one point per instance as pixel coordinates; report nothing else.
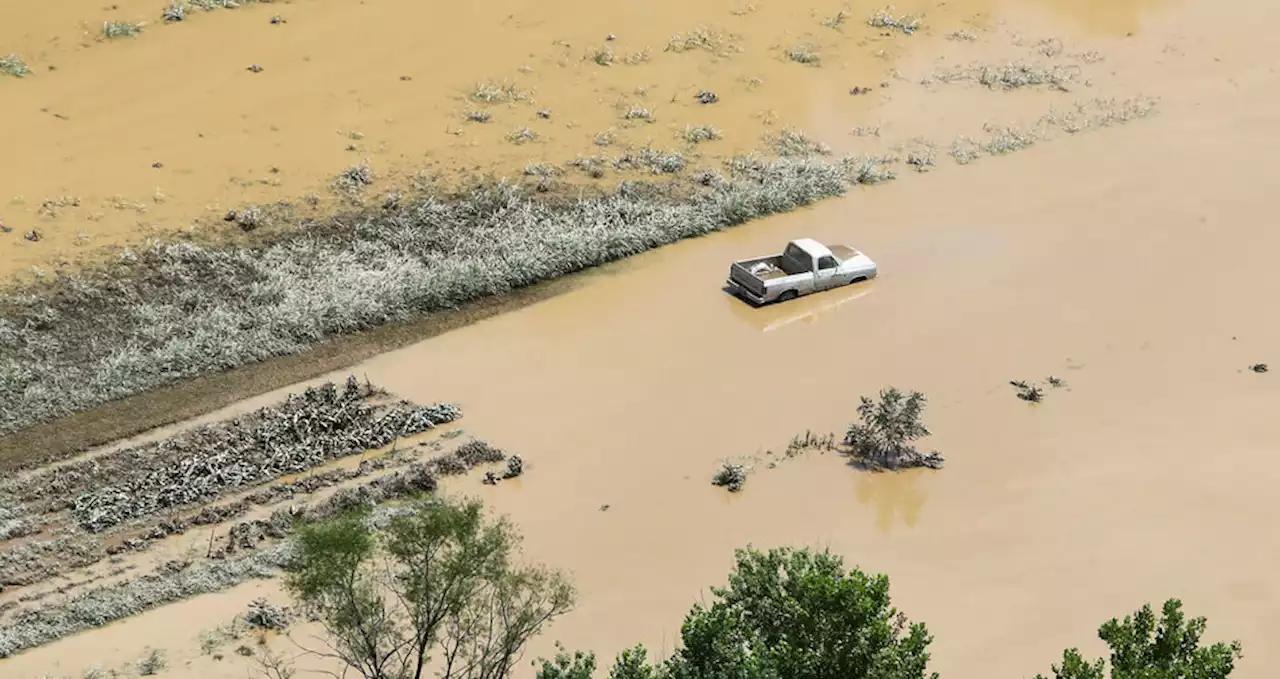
(824, 278)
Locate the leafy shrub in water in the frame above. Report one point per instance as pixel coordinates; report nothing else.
(885, 435)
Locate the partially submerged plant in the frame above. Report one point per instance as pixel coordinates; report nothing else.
(884, 438)
(603, 56)
(965, 150)
(791, 142)
(13, 65)
(921, 154)
(121, 29)
(638, 112)
(804, 54)
(262, 614)
(355, 178)
(702, 37)
(696, 134)
(490, 92)
(731, 476)
(1027, 391)
(521, 135)
(1020, 74)
(176, 11)
(479, 116)
(963, 35)
(838, 20)
(152, 663)
(605, 138)
(906, 23)
(1008, 139)
(651, 159)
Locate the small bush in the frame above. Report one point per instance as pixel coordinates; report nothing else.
(804, 54)
(965, 150)
(1004, 140)
(121, 29)
(521, 135)
(605, 138)
(152, 663)
(696, 134)
(355, 178)
(490, 92)
(479, 116)
(731, 476)
(703, 38)
(603, 56)
(793, 143)
(907, 23)
(262, 614)
(838, 20)
(13, 65)
(884, 438)
(638, 112)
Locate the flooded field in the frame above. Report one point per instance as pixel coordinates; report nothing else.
(1131, 262)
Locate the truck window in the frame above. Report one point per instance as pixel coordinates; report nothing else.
(827, 262)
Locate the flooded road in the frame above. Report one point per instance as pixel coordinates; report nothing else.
(1134, 263)
(1109, 262)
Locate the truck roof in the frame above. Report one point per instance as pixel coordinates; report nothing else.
(812, 247)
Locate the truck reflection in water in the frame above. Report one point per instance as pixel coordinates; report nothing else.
(776, 316)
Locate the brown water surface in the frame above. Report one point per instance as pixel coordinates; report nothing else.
(1133, 262)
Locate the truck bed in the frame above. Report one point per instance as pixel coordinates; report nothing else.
(765, 268)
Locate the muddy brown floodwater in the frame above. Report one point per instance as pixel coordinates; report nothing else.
(1135, 263)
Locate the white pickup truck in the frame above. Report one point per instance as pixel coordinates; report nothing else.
(805, 266)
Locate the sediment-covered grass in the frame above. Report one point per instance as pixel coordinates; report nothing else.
(304, 431)
(170, 311)
(102, 605)
(175, 581)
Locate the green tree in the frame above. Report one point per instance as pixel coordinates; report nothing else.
(885, 436)
(437, 578)
(1145, 648)
(796, 614)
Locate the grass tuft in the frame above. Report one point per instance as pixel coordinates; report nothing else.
(603, 56)
(696, 134)
(804, 54)
(13, 65)
(354, 179)
(907, 24)
(521, 135)
(650, 159)
(838, 20)
(490, 92)
(121, 29)
(704, 38)
(638, 112)
(792, 143)
(152, 663)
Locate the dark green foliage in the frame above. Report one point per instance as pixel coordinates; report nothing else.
(438, 579)
(885, 437)
(1144, 648)
(577, 666)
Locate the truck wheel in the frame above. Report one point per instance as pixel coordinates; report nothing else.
(788, 296)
